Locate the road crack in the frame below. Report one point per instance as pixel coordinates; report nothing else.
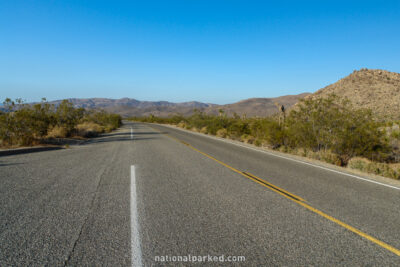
(90, 209)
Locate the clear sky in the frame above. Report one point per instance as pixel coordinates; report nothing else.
(210, 51)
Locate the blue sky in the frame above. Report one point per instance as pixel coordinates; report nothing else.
(210, 51)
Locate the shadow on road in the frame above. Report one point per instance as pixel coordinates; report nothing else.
(9, 152)
(124, 136)
(116, 139)
(129, 134)
(8, 164)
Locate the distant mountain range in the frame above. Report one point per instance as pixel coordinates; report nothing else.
(128, 107)
(127, 102)
(378, 90)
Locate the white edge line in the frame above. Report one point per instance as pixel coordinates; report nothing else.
(136, 252)
(279, 156)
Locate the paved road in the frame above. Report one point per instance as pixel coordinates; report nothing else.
(130, 196)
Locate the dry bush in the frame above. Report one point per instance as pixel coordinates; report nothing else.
(258, 142)
(204, 130)
(395, 134)
(108, 128)
(181, 124)
(285, 149)
(248, 139)
(27, 124)
(333, 124)
(326, 156)
(383, 169)
(89, 129)
(222, 133)
(57, 132)
(330, 157)
(298, 151)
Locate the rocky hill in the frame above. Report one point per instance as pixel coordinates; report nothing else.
(378, 90)
(260, 107)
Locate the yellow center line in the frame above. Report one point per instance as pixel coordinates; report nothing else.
(296, 199)
(351, 228)
(272, 186)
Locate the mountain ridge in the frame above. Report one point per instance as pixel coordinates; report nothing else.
(130, 107)
(376, 89)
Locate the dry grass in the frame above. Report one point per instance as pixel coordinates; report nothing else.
(222, 133)
(181, 125)
(57, 132)
(326, 156)
(108, 128)
(248, 139)
(89, 129)
(383, 169)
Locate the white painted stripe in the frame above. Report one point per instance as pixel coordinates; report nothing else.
(131, 133)
(288, 158)
(324, 168)
(136, 252)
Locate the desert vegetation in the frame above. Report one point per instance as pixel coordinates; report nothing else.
(29, 124)
(330, 129)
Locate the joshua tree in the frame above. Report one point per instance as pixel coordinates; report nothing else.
(282, 114)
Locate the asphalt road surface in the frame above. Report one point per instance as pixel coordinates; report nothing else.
(150, 194)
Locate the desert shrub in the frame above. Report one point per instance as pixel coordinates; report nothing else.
(327, 129)
(395, 135)
(258, 142)
(67, 116)
(222, 133)
(213, 124)
(181, 124)
(26, 124)
(329, 157)
(322, 155)
(204, 130)
(108, 120)
(17, 125)
(247, 138)
(237, 127)
(332, 124)
(384, 169)
(57, 132)
(175, 119)
(275, 134)
(89, 129)
(268, 131)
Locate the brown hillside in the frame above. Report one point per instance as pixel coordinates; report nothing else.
(128, 107)
(252, 107)
(378, 90)
(260, 107)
